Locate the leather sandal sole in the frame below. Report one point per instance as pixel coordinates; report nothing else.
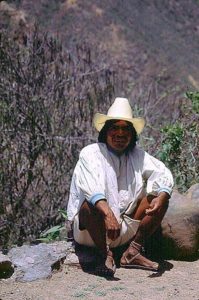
(130, 266)
(131, 263)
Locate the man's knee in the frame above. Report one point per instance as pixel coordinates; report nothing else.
(165, 207)
(88, 214)
(84, 213)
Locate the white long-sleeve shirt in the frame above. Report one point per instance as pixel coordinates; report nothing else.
(121, 180)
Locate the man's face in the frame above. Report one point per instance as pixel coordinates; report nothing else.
(119, 136)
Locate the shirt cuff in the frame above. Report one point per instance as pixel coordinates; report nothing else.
(96, 197)
(165, 189)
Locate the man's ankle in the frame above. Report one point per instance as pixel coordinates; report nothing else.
(105, 252)
(136, 245)
(109, 253)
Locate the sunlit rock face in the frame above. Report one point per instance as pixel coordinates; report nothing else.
(180, 227)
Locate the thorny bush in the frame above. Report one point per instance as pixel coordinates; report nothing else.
(47, 100)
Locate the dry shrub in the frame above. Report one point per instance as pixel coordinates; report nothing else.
(47, 100)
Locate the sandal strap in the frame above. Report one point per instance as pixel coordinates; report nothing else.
(136, 245)
(132, 258)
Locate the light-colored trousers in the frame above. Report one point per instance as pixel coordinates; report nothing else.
(128, 230)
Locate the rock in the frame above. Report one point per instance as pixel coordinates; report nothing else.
(180, 228)
(38, 261)
(71, 259)
(6, 268)
(193, 193)
(82, 256)
(177, 201)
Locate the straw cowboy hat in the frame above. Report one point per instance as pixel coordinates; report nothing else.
(119, 110)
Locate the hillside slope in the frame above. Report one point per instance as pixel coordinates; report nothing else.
(142, 36)
(152, 44)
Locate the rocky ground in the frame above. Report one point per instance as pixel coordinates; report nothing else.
(177, 280)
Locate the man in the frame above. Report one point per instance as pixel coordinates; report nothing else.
(119, 193)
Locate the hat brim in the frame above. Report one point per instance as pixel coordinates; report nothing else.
(100, 119)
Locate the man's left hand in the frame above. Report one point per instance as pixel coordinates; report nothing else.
(157, 203)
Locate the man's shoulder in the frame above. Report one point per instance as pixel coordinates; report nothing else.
(92, 149)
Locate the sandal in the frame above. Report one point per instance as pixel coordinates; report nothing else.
(133, 259)
(106, 268)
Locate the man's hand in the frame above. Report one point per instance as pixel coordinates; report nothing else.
(112, 226)
(111, 223)
(157, 204)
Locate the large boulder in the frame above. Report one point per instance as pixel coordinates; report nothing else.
(193, 193)
(180, 227)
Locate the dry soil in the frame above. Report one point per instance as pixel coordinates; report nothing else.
(178, 280)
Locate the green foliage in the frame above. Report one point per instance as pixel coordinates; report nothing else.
(54, 232)
(180, 144)
(172, 143)
(194, 97)
(63, 213)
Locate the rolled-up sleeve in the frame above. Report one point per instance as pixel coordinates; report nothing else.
(157, 176)
(89, 174)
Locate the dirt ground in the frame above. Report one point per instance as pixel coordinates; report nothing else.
(177, 280)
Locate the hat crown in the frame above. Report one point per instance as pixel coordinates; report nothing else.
(120, 108)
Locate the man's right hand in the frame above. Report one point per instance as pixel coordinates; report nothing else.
(111, 223)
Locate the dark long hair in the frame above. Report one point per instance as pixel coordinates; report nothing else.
(102, 138)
